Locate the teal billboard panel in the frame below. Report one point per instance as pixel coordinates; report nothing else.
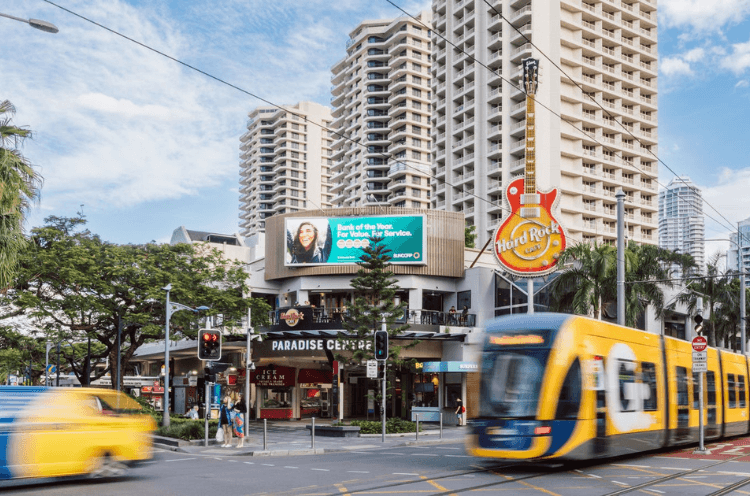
(340, 240)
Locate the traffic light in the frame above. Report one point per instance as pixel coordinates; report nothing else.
(209, 344)
(381, 345)
(698, 323)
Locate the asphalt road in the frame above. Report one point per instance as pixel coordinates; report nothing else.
(399, 470)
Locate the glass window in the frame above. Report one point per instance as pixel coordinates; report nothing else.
(732, 394)
(682, 386)
(649, 380)
(570, 394)
(512, 384)
(626, 375)
(711, 388)
(741, 390)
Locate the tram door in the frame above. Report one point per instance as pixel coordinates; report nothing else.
(600, 440)
(683, 414)
(712, 428)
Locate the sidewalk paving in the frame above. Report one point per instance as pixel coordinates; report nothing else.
(293, 438)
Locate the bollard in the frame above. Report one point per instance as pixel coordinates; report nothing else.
(313, 433)
(441, 425)
(417, 416)
(265, 434)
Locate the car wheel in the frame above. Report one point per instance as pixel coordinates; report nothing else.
(105, 466)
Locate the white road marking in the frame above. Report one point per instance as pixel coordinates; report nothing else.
(290, 467)
(424, 454)
(321, 469)
(179, 459)
(673, 468)
(595, 476)
(250, 463)
(357, 472)
(448, 448)
(656, 491)
(268, 464)
(403, 473)
(457, 456)
(621, 483)
(696, 476)
(626, 465)
(741, 474)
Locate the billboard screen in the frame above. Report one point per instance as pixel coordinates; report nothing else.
(339, 240)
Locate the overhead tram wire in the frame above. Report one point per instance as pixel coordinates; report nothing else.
(563, 119)
(557, 66)
(268, 102)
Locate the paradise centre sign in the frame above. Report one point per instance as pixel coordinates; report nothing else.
(341, 240)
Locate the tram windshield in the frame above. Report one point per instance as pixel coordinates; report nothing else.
(511, 382)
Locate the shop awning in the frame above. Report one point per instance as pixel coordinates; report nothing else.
(315, 376)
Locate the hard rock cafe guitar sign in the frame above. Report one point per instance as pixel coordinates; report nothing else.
(530, 240)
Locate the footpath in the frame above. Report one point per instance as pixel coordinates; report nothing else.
(284, 437)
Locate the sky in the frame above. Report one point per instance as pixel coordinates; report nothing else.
(142, 144)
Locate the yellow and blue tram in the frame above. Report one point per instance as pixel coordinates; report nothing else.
(558, 386)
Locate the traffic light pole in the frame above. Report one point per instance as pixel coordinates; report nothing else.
(206, 414)
(382, 392)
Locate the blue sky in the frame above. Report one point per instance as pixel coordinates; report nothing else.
(146, 145)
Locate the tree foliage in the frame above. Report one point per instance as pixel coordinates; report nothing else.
(374, 300)
(470, 236)
(19, 188)
(589, 280)
(75, 286)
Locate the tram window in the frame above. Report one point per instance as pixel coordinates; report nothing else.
(711, 388)
(513, 385)
(626, 375)
(741, 390)
(570, 394)
(682, 386)
(730, 389)
(648, 370)
(696, 395)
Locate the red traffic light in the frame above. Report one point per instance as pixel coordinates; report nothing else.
(206, 337)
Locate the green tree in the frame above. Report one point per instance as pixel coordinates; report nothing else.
(19, 188)
(470, 236)
(589, 282)
(715, 292)
(75, 286)
(17, 350)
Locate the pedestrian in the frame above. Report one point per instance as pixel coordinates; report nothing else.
(192, 414)
(460, 410)
(452, 315)
(239, 420)
(225, 422)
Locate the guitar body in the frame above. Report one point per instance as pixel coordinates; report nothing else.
(529, 245)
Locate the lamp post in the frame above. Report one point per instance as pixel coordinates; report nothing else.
(170, 309)
(35, 23)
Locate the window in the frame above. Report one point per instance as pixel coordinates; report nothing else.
(682, 386)
(570, 394)
(711, 388)
(741, 390)
(648, 371)
(732, 394)
(696, 396)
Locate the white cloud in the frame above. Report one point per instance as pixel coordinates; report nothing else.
(672, 66)
(694, 55)
(702, 15)
(729, 196)
(742, 84)
(126, 108)
(739, 60)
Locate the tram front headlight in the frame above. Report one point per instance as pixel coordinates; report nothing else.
(543, 430)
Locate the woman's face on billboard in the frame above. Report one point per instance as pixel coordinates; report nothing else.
(306, 235)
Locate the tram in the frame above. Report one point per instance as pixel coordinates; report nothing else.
(567, 387)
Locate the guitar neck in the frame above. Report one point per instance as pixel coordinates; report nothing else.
(530, 169)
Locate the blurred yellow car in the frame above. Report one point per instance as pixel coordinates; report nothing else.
(52, 432)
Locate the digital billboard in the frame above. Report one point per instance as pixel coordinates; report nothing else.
(340, 240)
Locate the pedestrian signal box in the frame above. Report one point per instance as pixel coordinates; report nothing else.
(209, 344)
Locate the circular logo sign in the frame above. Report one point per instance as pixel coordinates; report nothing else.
(699, 343)
(292, 317)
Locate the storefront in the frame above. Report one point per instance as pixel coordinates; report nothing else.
(436, 387)
(275, 391)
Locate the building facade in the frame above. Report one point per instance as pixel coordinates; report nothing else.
(681, 223)
(595, 123)
(381, 116)
(285, 156)
(739, 246)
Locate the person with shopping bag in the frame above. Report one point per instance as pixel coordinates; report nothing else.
(239, 411)
(225, 422)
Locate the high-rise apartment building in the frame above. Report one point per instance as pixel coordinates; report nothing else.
(381, 111)
(741, 240)
(285, 157)
(681, 223)
(596, 118)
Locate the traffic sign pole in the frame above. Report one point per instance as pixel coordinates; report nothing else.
(700, 366)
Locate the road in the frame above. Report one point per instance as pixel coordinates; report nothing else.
(425, 470)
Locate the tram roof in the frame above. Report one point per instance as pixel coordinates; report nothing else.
(525, 321)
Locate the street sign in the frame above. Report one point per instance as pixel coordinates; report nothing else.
(700, 356)
(700, 366)
(699, 343)
(372, 369)
(51, 369)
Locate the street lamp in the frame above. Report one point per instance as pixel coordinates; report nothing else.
(170, 309)
(741, 272)
(35, 23)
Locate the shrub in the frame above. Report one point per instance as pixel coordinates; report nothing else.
(392, 426)
(188, 429)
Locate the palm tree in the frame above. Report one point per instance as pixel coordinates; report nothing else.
(718, 297)
(19, 188)
(590, 281)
